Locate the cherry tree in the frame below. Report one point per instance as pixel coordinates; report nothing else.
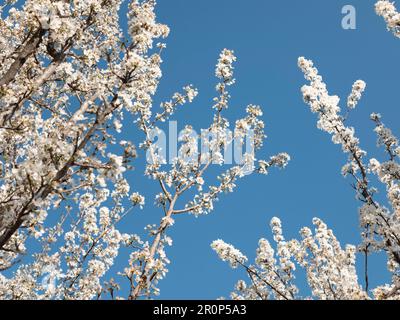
(71, 79)
(330, 269)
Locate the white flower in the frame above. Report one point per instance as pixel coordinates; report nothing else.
(224, 69)
(228, 253)
(137, 199)
(280, 160)
(356, 92)
(387, 10)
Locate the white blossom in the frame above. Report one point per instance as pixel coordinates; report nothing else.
(228, 253)
(356, 92)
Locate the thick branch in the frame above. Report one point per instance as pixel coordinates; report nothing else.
(29, 48)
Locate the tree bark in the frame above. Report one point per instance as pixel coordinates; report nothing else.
(29, 48)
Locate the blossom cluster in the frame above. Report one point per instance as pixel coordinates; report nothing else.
(330, 270)
(387, 10)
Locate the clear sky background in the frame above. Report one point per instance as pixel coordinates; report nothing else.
(268, 37)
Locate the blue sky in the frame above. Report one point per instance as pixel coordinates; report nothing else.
(268, 37)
